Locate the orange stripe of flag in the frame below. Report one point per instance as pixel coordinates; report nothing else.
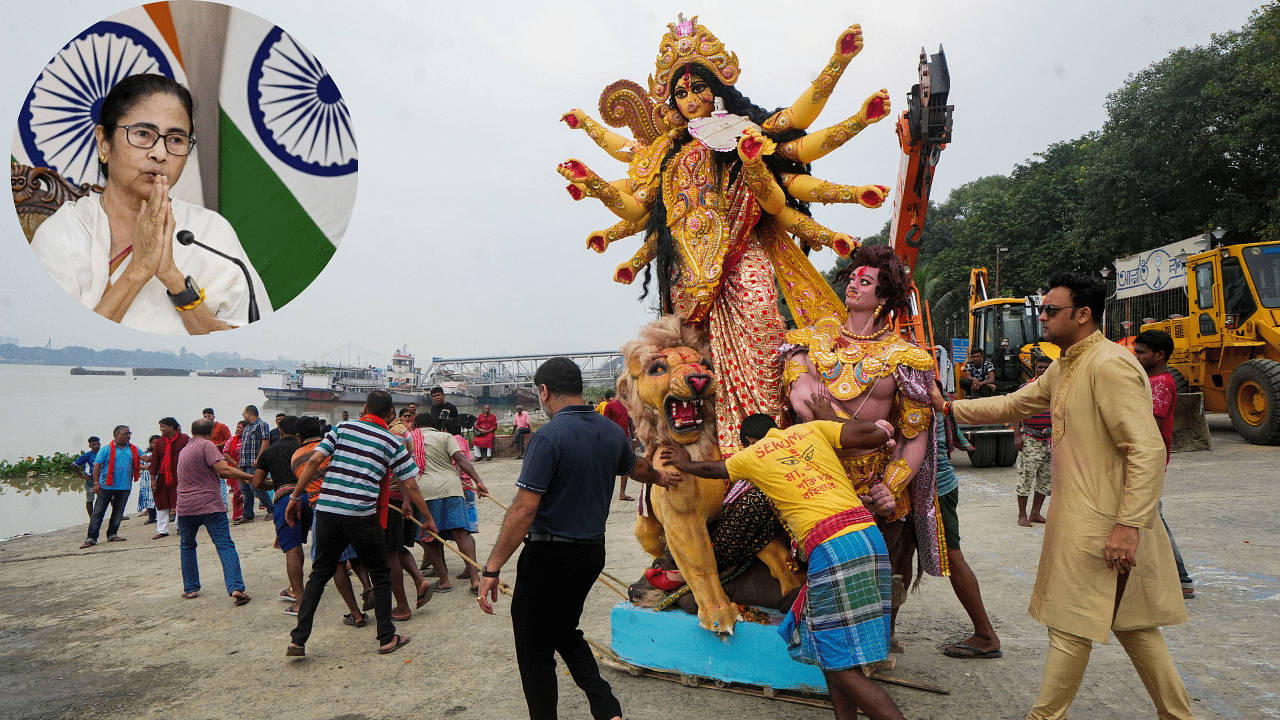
(160, 15)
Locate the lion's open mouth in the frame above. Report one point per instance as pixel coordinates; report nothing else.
(684, 415)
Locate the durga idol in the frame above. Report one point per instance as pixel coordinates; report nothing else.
(719, 186)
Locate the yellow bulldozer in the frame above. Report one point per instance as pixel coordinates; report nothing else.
(1008, 331)
(1228, 344)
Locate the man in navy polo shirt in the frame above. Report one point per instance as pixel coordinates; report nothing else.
(559, 512)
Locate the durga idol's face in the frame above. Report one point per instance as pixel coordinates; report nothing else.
(694, 97)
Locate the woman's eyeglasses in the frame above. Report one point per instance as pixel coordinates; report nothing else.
(141, 136)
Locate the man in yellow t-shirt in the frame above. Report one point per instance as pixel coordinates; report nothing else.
(840, 622)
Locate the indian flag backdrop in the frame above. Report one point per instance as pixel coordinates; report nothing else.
(55, 124)
(287, 155)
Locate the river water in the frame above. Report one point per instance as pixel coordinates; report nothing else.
(44, 409)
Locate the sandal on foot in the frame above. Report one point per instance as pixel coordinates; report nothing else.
(295, 651)
(366, 599)
(291, 610)
(87, 544)
(191, 595)
(425, 597)
(116, 539)
(439, 589)
(401, 641)
(286, 596)
(969, 652)
(160, 535)
(242, 599)
(351, 620)
(463, 575)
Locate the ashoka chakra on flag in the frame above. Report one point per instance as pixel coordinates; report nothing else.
(297, 109)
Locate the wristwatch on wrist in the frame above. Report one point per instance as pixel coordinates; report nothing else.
(486, 572)
(189, 295)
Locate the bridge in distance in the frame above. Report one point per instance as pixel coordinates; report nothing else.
(598, 368)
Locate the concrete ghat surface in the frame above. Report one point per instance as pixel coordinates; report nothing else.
(104, 633)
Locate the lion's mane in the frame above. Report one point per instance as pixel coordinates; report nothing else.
(650, 426)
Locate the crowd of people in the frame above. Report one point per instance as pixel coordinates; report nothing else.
(217, 477)
(370, 489)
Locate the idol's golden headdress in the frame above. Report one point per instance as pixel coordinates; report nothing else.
(689, 42)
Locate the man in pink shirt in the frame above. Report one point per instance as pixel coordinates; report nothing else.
(201, 467)
(522, 428)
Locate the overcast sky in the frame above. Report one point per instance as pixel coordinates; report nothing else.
(463, 240)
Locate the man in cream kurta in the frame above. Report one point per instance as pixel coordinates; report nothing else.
(1106, 564)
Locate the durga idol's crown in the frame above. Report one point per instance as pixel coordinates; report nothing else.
(689, 42)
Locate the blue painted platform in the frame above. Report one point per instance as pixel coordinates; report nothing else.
(673, 642)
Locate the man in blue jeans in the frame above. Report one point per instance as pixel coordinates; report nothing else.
(255, 438)
(114, 471)
(84, 464)
(201, 468)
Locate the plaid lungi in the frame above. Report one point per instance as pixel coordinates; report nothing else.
(848, 604)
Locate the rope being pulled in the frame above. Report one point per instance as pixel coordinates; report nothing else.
(504, 588)
(600, 579)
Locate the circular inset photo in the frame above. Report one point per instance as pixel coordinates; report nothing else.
(184, 167)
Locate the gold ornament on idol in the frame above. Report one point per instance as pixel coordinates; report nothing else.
(871, 336)
(689, 42)
(896, 475)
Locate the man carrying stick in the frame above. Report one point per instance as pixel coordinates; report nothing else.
(352, 510)
(559, 512)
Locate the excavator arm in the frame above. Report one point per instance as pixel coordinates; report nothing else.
(924, 130)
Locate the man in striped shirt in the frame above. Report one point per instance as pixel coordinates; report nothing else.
(363, 456)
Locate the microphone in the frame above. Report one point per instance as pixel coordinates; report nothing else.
(186, 237)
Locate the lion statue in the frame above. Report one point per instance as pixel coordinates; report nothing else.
(670, 393)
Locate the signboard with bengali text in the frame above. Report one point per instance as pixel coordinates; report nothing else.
(1154, 270)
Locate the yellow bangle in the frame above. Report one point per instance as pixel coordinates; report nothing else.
(896, 474)
(192, 305)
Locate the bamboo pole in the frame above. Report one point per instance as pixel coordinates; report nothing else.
(503, 587)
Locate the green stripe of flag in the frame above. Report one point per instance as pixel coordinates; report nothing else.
(285, 245)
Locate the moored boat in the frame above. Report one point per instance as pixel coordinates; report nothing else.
(231, 372)
(165, 372)
(86, 371)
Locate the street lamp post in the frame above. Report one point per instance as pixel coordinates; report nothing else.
(998, 251)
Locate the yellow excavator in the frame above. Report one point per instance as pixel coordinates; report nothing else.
(1008, 331)
(1228, 344)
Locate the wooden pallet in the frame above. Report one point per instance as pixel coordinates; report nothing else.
(609, 658)
(613, 661)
